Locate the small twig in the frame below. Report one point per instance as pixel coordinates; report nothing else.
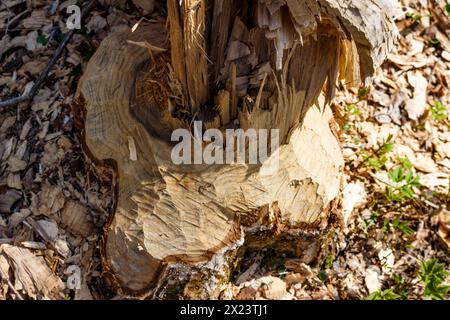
(10, 285)
(7, 20)
(12, 21)
(431, 204)
(11, 5)
(37, 85)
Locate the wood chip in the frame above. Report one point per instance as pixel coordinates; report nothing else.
(14, 181)
(76, 218)
(147, 6)
(16, 218)
(47, 229)
(8, 199)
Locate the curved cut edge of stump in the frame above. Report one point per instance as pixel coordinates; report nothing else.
(165, 215)
(180, 222)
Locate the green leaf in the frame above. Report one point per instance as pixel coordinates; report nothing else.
(413, 16)
(435, 42)
(406, 163)
(329, 262)
(347, 126)
(439, 111)
(41, 40)
(447, 8)
(323, 275)
(363, 93)
(433, 274)
(388, 294)
(375, 163)
(403, 227)
(396, 175)
(386, 148)
(353, 110)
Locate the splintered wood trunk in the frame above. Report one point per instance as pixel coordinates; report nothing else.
(232, 64)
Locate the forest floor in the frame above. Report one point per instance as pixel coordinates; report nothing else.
(395, 135)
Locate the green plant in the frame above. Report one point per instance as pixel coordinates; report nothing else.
(378, 158)
(353, 110)
(363, 93)
(329, 260)
(347, 126)
(439, 111)
(405, 163)
(403, 227)
(323, 276)
(399, 225)
(41, 39)
(328, 264)
(413, 16)
(447, 9)
(435, 42)
(433, 274)
(377, 163)
(397, 292)
(405, 179)
(370, 222)
(400, 287)
(388, 294)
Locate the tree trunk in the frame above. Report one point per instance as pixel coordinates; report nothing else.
(231, 64)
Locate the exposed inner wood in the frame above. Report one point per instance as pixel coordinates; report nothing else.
(295, 46)
(258, 64)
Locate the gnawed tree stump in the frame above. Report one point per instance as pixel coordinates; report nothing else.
(258, 64)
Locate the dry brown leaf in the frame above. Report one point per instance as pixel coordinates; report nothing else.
(7, 123)
(32, 276)
(417, 105)
(52, 155)
(273, 288)
(4, 266)
(96, 23)
(444, 227)
(16, 164)
(7, 146)
(51, 200)
(147, 6)
(33, 67)
(25, 129)
(406, 61)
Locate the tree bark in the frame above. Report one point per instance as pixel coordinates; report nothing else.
(260, 64)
